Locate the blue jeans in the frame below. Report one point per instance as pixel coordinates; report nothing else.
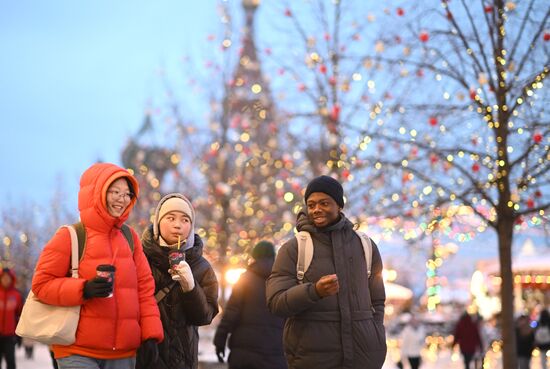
(83, 362)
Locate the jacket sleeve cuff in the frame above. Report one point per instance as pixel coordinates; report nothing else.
(312, 292)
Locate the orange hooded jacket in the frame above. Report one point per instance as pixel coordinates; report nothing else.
(109, 328)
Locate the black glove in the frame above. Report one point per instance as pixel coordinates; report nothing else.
(148, 353)
(97, 287)
(220, 353)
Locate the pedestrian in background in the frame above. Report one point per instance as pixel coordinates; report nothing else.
(525, 341)
(413, 340)
(11, 304)
(468, 338)
(542, 336)
(255, 335)
(110, 328)
(186, 292)
(335, 315)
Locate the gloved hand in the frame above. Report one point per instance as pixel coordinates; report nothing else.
(148, 353)
(182, 273)
(220, 353)
(97, 287)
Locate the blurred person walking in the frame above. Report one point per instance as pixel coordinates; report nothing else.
(542, 336)
(255, 335)
(111, 328)
(11, 304)
(525, 341)
(335, 314)
(413, 340)
(186, 289)
(468, 338)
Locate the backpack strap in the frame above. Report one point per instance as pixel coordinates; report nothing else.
(367, 248)
(81, 236)
(128, 235)
(163, 292)
(305, 254)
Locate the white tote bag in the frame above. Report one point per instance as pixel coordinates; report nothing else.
(51, 324)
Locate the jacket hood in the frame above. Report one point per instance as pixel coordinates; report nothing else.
(11, 273)
(156, 231)
(92, 197)
(262, 267)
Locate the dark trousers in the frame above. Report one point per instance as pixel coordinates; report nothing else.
(467, 360)
(414, 362)
(7, 351)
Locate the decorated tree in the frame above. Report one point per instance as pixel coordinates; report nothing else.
(469, 132)
(25, 229)
(436, 117)
(232, 159)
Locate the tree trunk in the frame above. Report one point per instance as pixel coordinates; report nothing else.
(505, 235)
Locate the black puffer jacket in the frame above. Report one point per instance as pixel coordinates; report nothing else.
(256, 335)
(341, 331)
(181, 313)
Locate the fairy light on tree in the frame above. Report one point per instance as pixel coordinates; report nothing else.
(481, 130)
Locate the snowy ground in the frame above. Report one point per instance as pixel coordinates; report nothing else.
(442, 360)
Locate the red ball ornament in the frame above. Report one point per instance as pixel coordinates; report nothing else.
(301, 87)
(424, 36)
(327, 36)
(530, 203)
(538, 193)
(488, 9)
(433, 121)
(346, 173)
(288, 13)
(546, 36)
(537, 137)
(400, 12)
(473, 94)
(323, 68)
(475, 167)
(335, 113)
(332, 81)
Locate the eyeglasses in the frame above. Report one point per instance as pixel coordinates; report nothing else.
(125, 195)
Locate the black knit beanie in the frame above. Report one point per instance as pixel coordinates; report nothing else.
(263, 250)
(328, 185)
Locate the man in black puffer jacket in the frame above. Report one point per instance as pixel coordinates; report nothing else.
(335, 318)
(187, 294)
(256, 335)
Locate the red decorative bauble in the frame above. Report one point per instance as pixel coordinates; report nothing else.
(322, 68)
(335, 112)
(400, 12)
(475, 167)
(327, 36)
(332, 80)
(433, 121)
(473, 94)
(530, 203)
(288, 13)
(346, 173)
(546, 36)
(538, 193)
(488, 9)
(537, 137)
(301, 87)
(424, 36)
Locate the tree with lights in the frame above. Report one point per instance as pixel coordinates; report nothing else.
(25, 229)
(457, 125)
(469, 131)
(243, 190)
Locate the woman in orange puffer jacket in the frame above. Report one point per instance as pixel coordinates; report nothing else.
(111, 329)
